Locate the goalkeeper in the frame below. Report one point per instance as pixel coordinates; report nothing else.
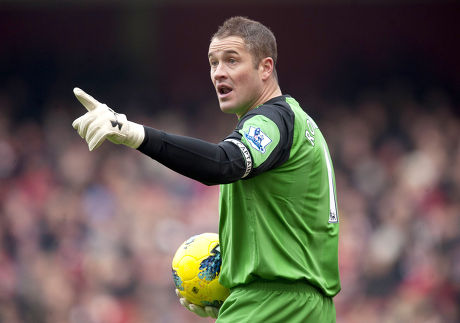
(278, 227)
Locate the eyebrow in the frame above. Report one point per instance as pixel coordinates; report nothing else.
(228, 51)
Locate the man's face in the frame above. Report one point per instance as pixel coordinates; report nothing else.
(237, 82)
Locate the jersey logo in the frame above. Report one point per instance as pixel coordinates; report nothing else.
(257, 139)
(333, 217)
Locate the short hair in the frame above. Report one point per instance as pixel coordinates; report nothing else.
(259, 39)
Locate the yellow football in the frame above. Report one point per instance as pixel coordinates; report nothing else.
(196, 269)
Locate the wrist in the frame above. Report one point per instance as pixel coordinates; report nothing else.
(136, 135)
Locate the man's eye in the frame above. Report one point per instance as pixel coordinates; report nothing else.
(213, 63)
(232, 60)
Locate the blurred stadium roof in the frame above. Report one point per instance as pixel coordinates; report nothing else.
(321, 42)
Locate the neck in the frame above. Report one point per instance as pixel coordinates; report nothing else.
(271, 91)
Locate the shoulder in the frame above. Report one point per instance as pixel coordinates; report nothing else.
(267, 127)
(276, 110)
(266, 133)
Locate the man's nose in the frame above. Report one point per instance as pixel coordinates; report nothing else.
(220, 72)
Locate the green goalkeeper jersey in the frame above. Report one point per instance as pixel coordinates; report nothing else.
(280, 221)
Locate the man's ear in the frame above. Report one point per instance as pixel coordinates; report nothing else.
(266, 66)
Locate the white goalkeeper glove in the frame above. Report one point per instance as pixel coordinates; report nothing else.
(101, 122)
(203, 311)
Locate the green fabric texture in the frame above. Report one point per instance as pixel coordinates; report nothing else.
(283, 223)
(277, 302)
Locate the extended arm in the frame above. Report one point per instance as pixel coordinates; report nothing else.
(206, 162)
(203, 161)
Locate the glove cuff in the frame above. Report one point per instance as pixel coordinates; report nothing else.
(136, 135)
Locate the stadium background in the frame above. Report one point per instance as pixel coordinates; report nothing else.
(89, 237)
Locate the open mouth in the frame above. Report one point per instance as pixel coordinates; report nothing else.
(224, 90)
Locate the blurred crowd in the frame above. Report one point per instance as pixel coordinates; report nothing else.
(88, 237)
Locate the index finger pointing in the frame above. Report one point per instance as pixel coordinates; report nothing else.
(87, 100)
